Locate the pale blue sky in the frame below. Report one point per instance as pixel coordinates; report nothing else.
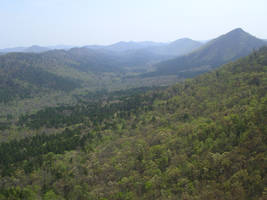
(83, 22)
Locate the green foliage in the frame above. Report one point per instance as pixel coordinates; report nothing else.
(104, 107)
(204, 138)
(26, 193)
(50, 195)
(28, 151)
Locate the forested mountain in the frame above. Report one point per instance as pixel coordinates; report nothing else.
(229, 47)
(58, 75)
(141, 54)
(28, 74)
(178, 47)
(204, 138)
(25, 75)
(102, 60)
(65, 70)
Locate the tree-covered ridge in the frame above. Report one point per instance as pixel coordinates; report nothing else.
(23, 75)
(201, 139)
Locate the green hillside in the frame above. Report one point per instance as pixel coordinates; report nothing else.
(204, 138)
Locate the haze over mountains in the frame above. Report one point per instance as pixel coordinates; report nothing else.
(161, 57)
(34, 49)
(175, 48)
(125, 46)
(35, 69)
(119, 64)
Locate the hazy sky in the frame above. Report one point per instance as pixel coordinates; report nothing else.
(82, 22)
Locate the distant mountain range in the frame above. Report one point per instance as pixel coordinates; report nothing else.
(228, 47)
(153, 49)
(126, 46)
(175, 48)
(34, 49)
(138, 53)
(36, 68)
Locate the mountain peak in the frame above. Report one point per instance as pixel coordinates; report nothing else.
(237, 31)
(225, 48)
(235, 35)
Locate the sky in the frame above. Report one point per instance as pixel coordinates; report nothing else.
(85, 22)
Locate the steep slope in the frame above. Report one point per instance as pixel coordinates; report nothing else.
(204, 138)
(223, 49)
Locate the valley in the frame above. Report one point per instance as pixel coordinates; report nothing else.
(135, 120)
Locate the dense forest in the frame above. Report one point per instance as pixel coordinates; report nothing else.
(204, 138)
